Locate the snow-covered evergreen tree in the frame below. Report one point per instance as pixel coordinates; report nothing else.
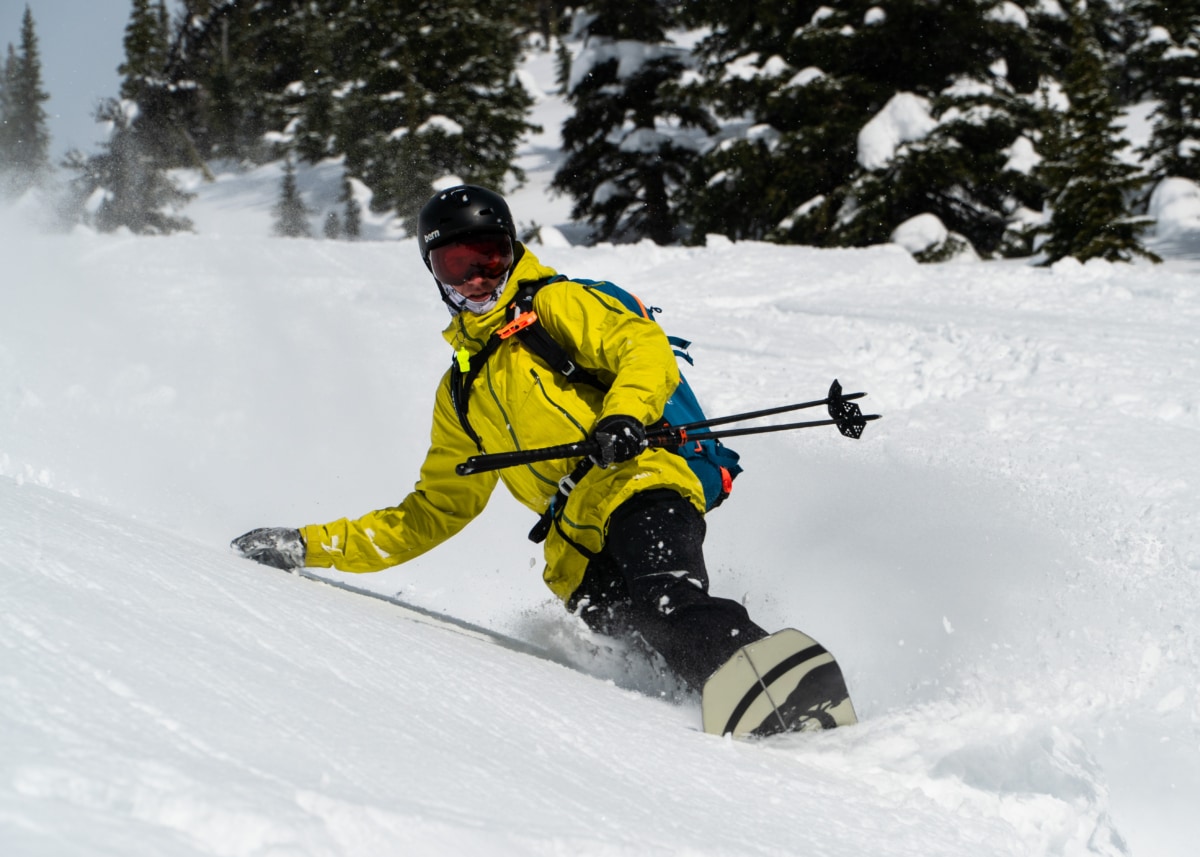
(629, 153)
(946, 146)
(351, 213)
(124, 186)
(237, 67)
(846, 119)
(784, 119)
(430, 91)
(208, 64)
(145, 82)
(314, 100)
(408, 93)
(333, 226)
(545, 20)
(7, 72)
(146, 42)
(24, 138)
(128, 185)
(1090, 188)
(291, 214)
(1168, 55)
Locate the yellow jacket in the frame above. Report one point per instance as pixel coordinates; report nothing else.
(518, 402)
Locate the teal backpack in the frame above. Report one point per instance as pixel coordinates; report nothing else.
(714, 464)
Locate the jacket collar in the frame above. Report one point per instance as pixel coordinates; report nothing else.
(470, 331)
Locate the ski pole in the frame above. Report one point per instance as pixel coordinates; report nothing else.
(768, 412)
(843, 412)
(677, 437)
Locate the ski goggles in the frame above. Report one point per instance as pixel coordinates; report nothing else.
(488, 256)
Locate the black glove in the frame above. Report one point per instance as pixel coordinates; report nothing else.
(619, 438)
(278, 547)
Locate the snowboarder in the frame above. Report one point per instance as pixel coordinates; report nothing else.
(625, 551)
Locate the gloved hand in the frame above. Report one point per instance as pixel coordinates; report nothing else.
(278, 547)
(619, 437)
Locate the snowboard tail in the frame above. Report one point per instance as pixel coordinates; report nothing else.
(786, 682)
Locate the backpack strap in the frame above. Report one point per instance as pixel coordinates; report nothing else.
(463, 373)
(525, 325)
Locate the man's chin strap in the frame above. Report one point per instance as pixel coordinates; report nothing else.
(457, 303)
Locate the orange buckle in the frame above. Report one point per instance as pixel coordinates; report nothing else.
(519, 323)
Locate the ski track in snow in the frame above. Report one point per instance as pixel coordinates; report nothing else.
(1005, 564)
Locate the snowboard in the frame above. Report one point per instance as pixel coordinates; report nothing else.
(786, 682)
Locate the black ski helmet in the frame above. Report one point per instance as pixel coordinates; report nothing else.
(462, 210)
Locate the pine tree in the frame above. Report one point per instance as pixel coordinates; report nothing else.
(351, 214)
(235, 62)
(1111, 23)
(122, 186)
(144, 82)
(146, 44)
(789, 119)
(333, 226)
(315, 102)
(543, 17)
(24, 138)
(130, 177)
(1168, 56)
(799, 82)
(628, 153)
(291, 214)
(1090, 188)
(208, 53)
(407, 92)
(433, 94)
(7, 74)
(956, 58)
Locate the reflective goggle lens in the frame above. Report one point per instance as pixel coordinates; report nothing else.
(489, 256)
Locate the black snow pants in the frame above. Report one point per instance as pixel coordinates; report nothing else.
(650, 579)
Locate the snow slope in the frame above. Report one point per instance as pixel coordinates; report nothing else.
(1005, 564)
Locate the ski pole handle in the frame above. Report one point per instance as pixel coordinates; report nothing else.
(501, 460)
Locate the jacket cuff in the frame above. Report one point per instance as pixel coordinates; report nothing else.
(315, 555)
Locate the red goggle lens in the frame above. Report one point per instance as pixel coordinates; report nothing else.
(489, 256)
